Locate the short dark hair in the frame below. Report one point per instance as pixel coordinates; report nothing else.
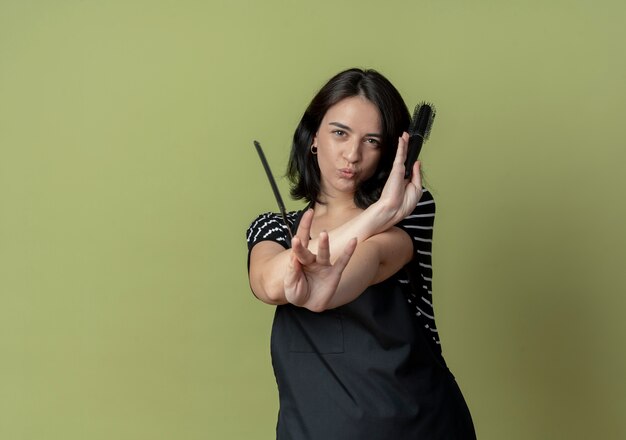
(303, 170)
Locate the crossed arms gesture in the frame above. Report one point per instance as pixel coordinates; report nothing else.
(322, 280)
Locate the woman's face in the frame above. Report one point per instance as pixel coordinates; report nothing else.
(348, 145)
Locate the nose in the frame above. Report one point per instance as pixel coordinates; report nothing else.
(352, 153)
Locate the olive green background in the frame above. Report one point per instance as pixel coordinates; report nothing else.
(128, 179)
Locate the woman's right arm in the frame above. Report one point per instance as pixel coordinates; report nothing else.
(270, 262)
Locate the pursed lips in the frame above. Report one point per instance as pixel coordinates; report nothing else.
(347, 173)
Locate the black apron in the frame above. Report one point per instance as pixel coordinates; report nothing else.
(364, 370)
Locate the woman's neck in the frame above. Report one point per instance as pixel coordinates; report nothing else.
(332, 212)
(335, 204)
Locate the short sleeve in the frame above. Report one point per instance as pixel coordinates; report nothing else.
(268, 227)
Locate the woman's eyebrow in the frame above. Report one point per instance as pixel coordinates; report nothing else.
(346, 128)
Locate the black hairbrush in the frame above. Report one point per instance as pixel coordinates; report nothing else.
(419, 130)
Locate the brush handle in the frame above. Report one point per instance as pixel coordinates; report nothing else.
(415, 146)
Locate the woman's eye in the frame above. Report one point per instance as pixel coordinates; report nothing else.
(339, 132)
(373, 141)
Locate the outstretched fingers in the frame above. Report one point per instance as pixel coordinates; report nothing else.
(323, 249)
(303, 255)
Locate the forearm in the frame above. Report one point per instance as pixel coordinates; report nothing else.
(270, 263)
(373, 220)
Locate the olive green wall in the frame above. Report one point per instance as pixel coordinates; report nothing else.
(128, 178)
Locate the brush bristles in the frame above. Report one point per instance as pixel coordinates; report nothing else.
(422, 121)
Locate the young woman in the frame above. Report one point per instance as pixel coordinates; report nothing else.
(354, 343)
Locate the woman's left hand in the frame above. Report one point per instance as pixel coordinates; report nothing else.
(400, 196)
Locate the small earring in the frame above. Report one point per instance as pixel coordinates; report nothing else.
(313, 149)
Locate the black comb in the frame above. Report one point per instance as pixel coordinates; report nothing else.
(279, 199)
(419, 130)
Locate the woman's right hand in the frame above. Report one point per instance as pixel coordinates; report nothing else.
(311, 280)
